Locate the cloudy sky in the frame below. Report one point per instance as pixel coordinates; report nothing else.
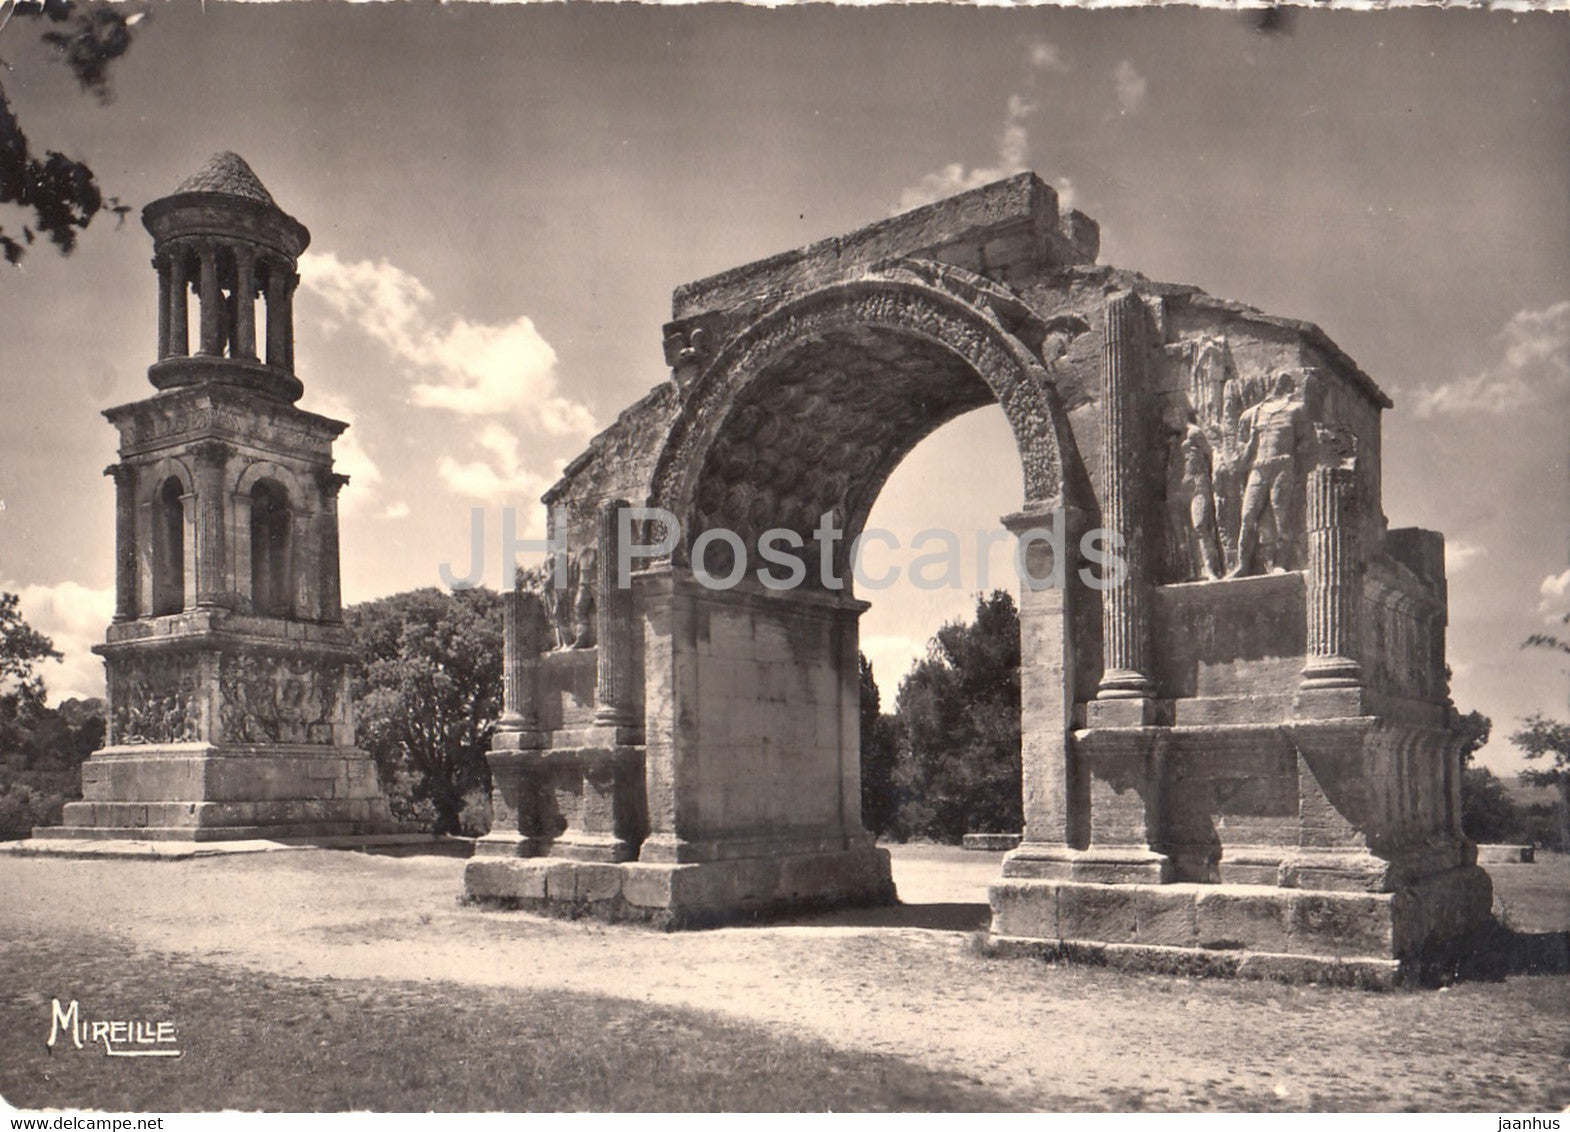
(502, 198)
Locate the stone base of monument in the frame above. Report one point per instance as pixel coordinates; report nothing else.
(1250, 930)
(990, 842)
(1506, 854)
(201, 792)
(681, 894)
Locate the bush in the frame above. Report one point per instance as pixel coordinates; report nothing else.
(22, 808)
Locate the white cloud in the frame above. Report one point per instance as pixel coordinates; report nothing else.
(1013, 144)
(1555, 603)
(1045, 56)
(1131, 87)
(1532, 366)
(349, 456)
(1459, 553)
(398, 509)
(466, 367)
(1013, 156)
(74, 617)
(502, 478)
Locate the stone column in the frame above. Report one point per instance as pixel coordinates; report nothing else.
(211, 532)
(522, 615)
(125, 581)
(613, 689)
(212, 304)
(245, 304)
(161, 264)
(1054, 810)
(1125, 631)
(278, 330)
(332, 582)
(304, 581)
(1332, 579)
(291, 281)
(514, 759)
(179, 313)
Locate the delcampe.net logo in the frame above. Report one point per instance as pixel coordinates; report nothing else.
(120, 1038)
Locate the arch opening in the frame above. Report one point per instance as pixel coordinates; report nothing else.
(270, 550)
(169, 548)
(818, 433)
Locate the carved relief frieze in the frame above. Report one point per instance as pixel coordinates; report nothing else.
(155, 699)
(570, 602)
(1236, 449)
(278, 699)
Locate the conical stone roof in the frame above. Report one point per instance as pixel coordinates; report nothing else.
(227, 173)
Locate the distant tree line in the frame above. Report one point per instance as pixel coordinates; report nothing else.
(41, 748)
(946, 762)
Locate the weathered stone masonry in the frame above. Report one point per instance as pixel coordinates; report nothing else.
(1240, 752)
(227, 661)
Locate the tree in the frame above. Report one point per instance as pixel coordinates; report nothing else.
(22, 648)
(1487, 812)
(1474, 728)
(1547, 739)
(62, 194)
(958, 710)
(879, 753)
(428, 686)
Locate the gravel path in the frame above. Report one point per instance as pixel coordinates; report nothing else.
(901, 981)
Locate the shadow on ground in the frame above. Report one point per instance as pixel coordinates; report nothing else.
(955, 917)
(1498, 952)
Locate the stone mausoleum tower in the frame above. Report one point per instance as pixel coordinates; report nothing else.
(229, 708)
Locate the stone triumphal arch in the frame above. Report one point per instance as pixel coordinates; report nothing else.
(1237, 746)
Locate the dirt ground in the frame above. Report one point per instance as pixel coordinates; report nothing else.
(904, 981)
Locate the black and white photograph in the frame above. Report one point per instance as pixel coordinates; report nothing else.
(713, 557)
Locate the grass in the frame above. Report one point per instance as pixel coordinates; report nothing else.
(259, 1042)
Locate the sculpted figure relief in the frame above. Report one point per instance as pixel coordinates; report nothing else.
(1191, 497)
(275, 700)
(1234, 469)
(571, 604)
(1271, 434)
(156, 703)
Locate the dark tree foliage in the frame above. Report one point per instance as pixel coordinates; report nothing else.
(22, 649)
(959, 746)
(1549, 740)
(1487, 812)
(879, 753)
(1474, 729)
(428, 691)
(41, 748)
(61, 194)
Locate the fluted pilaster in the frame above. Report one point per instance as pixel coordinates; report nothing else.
(211, 531)
(1332, 579)
(125, 579)
(1125, 630)
(613, 692)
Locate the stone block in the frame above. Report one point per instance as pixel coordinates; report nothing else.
(597, 883)
(1025, 909)
(504, 880)
(561, 880)
(1341, 924)
(1097, 912)
(1165, 916)
(1236, 919)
